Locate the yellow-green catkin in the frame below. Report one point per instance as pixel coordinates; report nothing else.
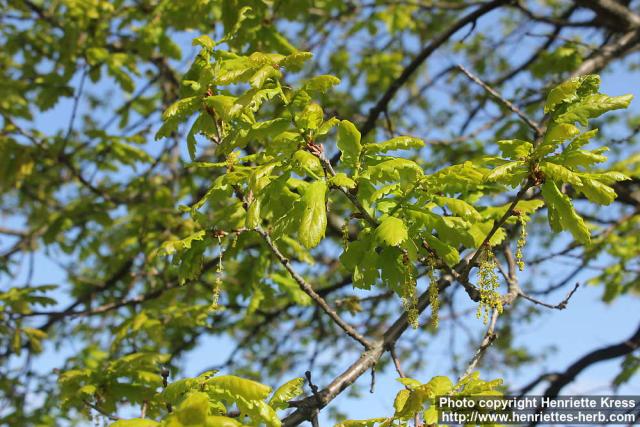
(488, 285)
(410, 294)
(434, 299)
(231, 160)
(521, 242)
(345, 233)
(218, 283)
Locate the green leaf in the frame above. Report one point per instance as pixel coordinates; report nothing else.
(459, 207)
(194, 409)
(360, 258)
(320, 84)
(391, 232)
(342, 180)
(263, 74)
(511, 173)
(630, 365)
(349, 144)
(583, 158)
(394, 170)
(454, 231)
(326, 126)
(235, 70)
(171, 246)
(439, 386)
(430, 415)
(596, 191)
(480, 230)
(181, 109)
(610, 177)
(244, 388)
(560, 174)
(296, 60)
(305, 161)
(409, 382)
(560, 210)
(593, 106)
(570, 91)
(362, 423)
(220, 421)
(135, 422)
(447, 253)
(223, 105)
(204, 41)
(311, 117)
(289, 286)
(400, 400)
(582, 139)
(177, 112)
(287, 392)
(565, 58)
(515, 149)
(384, 191)
(35, 337)
(555, 135)
(314, 216)
(398, 143)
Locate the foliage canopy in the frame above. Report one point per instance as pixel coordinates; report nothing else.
(301, 181)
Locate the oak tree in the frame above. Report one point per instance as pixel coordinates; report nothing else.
(309, 192)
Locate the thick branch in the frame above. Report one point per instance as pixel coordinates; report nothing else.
(366, 360)
(596, 356)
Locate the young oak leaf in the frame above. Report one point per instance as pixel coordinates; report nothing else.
(391, 232)
(349, 143)
(314, 217)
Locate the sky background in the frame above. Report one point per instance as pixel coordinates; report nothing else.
(563, 336)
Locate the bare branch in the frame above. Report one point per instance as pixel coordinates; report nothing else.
(101, 411)
(616, 49)
(396, 361)
(489, 338)
(560, 306)
(604, 353)
(533, 125)
(308, 289)
(438, 41)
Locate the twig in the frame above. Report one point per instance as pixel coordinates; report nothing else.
(533, 125)
(560, 306)
(314, 390)
(164, 373)
(496, 227)
(101, 411)
(308, 289)
(76, 102)
(489, 338)
(396, 361)
(143, 412)
(435, 44)
(373, 379)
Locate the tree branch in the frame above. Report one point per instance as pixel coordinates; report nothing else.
(560, 306)
(489, 338)
(533, 125)
(308, 289)
(413, 66)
